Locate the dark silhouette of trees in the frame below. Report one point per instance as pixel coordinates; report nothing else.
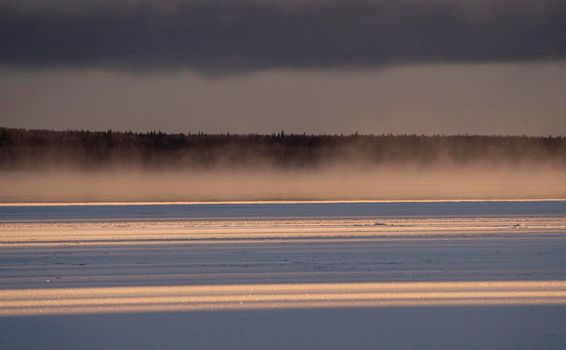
(22, 149)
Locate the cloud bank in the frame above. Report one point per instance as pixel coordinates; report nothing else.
(218, 37)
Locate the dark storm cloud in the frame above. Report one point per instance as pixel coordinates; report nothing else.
(234, 36)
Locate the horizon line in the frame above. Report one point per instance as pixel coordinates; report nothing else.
(282, 133)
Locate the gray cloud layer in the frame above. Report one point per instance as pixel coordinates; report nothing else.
(246, 35)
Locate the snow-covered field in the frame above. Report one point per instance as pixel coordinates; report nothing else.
(397, 275)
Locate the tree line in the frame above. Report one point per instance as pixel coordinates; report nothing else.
(23, 149)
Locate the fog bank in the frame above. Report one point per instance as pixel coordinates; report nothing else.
(84, 166)
(355, 183)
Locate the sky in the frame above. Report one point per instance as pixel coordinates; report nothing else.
(314, 66)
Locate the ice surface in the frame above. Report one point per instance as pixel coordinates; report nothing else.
(236, 211)
(405, 275)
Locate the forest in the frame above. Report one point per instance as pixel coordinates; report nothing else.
(23, 149)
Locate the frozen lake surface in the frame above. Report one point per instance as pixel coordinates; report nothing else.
(398, 275)
(149, 212)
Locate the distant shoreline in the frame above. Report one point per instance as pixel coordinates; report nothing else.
(119, 203)
(82, 150)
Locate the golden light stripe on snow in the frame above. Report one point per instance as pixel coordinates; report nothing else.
(278, 296)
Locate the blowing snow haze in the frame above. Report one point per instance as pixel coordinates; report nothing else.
(48, 166)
